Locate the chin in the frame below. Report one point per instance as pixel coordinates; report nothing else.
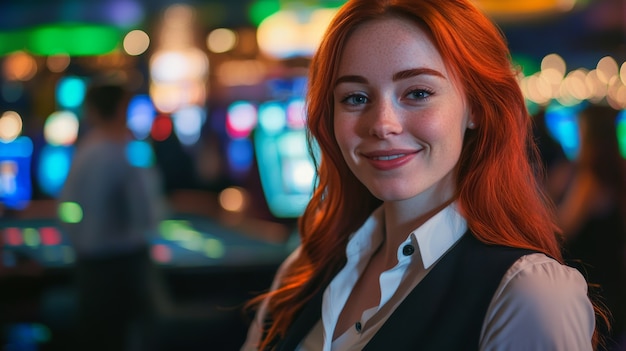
(394, 194)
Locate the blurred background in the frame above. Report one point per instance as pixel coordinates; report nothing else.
(217, 108)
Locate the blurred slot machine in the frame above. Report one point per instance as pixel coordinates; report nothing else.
(15, 173)
(286, 168)
(272, 133)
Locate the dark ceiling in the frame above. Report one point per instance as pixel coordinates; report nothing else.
(595, 28)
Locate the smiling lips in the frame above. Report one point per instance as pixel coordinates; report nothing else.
(391, 159)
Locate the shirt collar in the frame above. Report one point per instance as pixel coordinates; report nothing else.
(437, 235)
(434, 238)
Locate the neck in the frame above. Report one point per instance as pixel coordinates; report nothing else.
(402, 218)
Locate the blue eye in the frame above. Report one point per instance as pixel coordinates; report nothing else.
(355, 99)
(420, 94)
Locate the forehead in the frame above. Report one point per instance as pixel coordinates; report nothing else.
(392, 42)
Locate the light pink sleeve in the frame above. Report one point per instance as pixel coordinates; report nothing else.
(539, 305)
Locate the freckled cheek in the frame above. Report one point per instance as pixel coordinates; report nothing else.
(344, 135)
(429, 130)
(438, 134)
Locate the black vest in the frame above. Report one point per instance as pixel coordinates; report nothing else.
(445, 311)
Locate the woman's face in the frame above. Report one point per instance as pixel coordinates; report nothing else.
(399, 114)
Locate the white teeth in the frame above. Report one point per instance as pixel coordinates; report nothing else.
(387, 158)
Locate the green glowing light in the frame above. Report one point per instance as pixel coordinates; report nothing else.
(73, 39)
(261, 9)
(70, 212)
(621, 133)
(31, 237)
(214, 248)
(11, 41)
(526, 64)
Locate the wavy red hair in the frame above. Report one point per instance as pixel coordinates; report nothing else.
(497, 188)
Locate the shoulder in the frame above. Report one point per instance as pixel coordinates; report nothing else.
(101, 154)
(536, 274)
(540, 304)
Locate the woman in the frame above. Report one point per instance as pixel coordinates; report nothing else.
(427, 229)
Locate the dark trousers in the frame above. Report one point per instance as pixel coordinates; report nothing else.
(115, 302)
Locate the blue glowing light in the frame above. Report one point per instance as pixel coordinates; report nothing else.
(272, 117)
(141, 114)
(562, 124)
(241, 119)
(15, 183)
(621, 132)
(70, 92)
(240, 155)
(54, 166)
(140, 154)
(188, 123)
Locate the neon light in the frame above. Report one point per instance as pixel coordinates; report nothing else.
(240, 154)
(214, 248)
(13, 236)
(31, 237)
(54, 166)
(272, 117)
(70, 92)
(15, 173)
(161, 128)
(241, 119)
(73, 39)
(140, 154)
(161, 253)
(50, 236)
(141, 113)
(70, 212)
(562, 124)
(621, 132)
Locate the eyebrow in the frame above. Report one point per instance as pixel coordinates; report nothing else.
(396, 77)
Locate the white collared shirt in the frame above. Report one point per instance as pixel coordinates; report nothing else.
(539, 304)
(433, 238)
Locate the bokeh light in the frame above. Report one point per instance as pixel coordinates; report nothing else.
(188, 123)
(233, 199)
(74, 39)
(562, 124)
(241, 119)
(19, 66)
(15, 175)
(141, 114)
(70, 212)
(140, 154)
(10, 126)
(58, 63)
(272, 117)
(61, 128)
(53, 168)
(161, 128)
(293, 33)
(136, 42)
(221, 40)
(240, 154)
(70, 92)
(621, 132)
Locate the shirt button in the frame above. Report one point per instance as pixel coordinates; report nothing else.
(358, 327)
(408, 250)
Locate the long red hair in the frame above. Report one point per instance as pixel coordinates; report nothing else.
(497, 188)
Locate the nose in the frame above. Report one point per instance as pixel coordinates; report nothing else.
(385, 120)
